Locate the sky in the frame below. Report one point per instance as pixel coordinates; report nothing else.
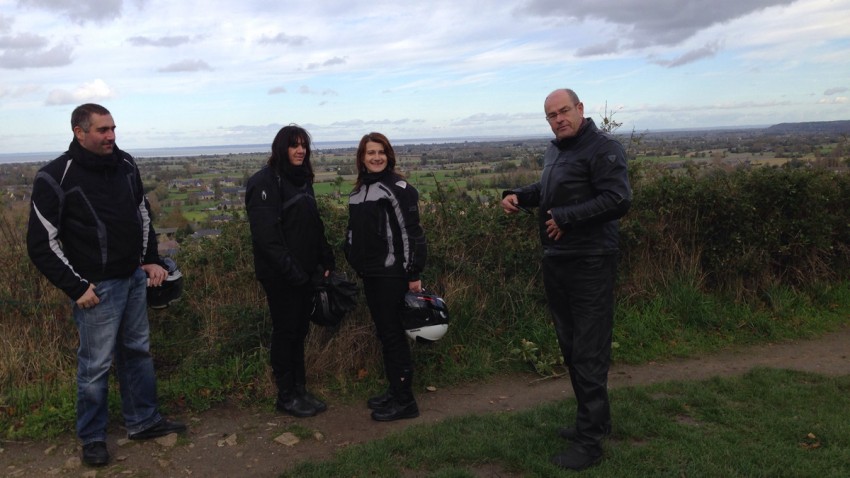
(221, 72)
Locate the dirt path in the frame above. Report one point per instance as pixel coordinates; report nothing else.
(229, 442)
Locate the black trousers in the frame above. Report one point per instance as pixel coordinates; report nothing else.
(383, 295)
(289, 308)
(580, 294)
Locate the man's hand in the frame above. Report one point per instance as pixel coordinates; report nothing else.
(156, 274)
(89, 299)
(553, 230)
(509, 204)
(415, 286)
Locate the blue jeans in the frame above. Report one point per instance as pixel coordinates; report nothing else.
(117, 328)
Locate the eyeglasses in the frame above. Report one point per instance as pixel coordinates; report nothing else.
(563, 111)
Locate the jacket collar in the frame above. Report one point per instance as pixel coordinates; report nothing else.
(587, 125)
(89, 160)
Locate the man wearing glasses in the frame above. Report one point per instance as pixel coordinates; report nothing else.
(583, 191)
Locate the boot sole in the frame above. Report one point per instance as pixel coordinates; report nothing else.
(394, 418)
(296, 414)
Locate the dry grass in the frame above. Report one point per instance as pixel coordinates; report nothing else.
(37, 337)
(670, 253)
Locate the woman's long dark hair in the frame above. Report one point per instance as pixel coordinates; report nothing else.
(289, 136)
(361, 155)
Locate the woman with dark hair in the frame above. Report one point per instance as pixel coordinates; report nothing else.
(291, 254)
(386, 246)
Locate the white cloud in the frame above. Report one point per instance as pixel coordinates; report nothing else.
(97, 90)
(837, 100)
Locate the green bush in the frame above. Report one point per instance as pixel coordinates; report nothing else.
(741, 231)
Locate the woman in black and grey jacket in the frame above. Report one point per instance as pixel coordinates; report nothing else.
(386, 245)
(290, 247)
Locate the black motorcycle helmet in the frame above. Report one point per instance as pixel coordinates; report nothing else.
(171, 289)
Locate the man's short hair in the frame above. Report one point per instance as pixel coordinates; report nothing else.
(82, 115)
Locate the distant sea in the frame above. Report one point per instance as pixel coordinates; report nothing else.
(6, 158)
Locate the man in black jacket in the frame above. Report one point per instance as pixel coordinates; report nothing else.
(582, 192)
(90, 234)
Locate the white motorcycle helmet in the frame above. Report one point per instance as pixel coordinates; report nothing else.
(425, 316)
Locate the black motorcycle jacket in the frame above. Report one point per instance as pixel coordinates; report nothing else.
(287, 233)
(89, 220)
(585, 188)
(384, 237)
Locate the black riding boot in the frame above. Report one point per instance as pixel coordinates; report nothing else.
(311, 399)
(401, 403)
(380, 401)
(301, 389)
(384, 399)
(290, 401)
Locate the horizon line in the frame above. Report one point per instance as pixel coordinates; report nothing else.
(405, 141)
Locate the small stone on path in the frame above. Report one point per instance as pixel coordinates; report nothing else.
(231, 440)
(167, 441)
(73, 462)
(288, 439)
